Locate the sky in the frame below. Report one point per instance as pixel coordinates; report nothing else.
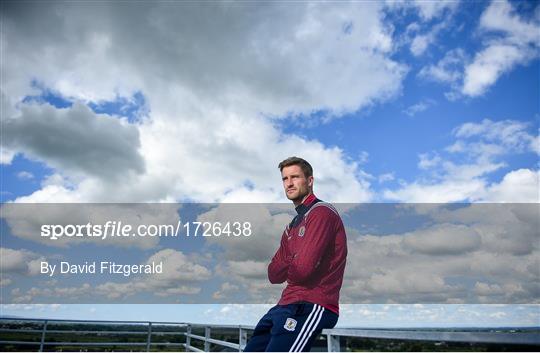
(393, 102)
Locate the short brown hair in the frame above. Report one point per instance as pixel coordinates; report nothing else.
(304, 165)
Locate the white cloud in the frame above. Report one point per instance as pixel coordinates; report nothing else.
(16, 261)
(446, 191)
(177, 268)
(486, 289)
(386, 177)
(512, 135)
(75, 140)
(508, 41)
(419, 107)
(427, 162)
(248, 314)
(448, 69)
(461, 174)
(426, 10)
(431, 9)
(4, 282)
(363, 157)
(494, 244)
(443, 239)
(420, 44)
(212, 92)
(522, 185)
(507, 230)
(489, 65)
(500, 16)
(517, 45)
(6, 155)
(24, 175)
(498, 315)
(249, 269)
(32, 307)
(225, 288)
(54, 187)
(423, 33)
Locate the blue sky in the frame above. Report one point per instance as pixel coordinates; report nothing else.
(391, 102)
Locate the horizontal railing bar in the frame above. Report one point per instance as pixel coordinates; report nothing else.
(223, 343)
(20, 342)
(191, 348)
(96, 321)
(20, 330)
(246, 327)
(78, 343)
(435, 329)
(81, 332)
(202, 338)
(166, 344)
(454, 336)
(100, 332)
(212, 340)
(97, 343)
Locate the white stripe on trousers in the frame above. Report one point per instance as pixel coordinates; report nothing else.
(315, 307)
(306, 338)
(305, 328)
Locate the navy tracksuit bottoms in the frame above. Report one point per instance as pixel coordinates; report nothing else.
(290, 328)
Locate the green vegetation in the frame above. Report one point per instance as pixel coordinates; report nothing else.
(91, 333)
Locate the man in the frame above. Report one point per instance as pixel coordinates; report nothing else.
(311, 258)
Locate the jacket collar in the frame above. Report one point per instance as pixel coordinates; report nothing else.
(306, 205)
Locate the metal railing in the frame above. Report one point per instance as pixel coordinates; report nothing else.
(43, 331)
(147, 329)
(472, 336)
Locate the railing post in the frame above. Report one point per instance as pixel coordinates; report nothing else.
(206, 337)
(333, 343)
(242, 339)
(188, 338)
(149, 338)
(43, 336)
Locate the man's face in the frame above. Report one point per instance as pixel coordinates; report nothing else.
(295, 183)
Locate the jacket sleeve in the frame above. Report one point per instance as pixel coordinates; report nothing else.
(320, 231)
(277, 270)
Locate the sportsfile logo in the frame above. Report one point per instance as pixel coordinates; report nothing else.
(121, 229)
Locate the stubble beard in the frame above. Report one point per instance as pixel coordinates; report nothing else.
(297, 197)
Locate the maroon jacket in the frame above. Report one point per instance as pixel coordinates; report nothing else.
(312, 256)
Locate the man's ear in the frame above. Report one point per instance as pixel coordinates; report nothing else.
(310, 181)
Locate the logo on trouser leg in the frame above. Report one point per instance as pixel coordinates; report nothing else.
(290, 324)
